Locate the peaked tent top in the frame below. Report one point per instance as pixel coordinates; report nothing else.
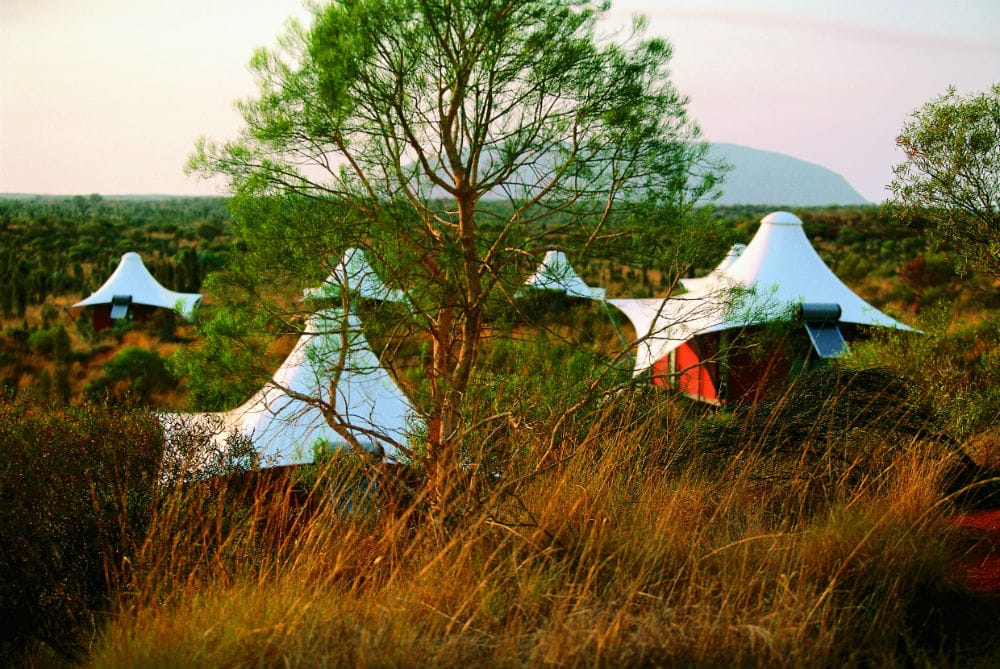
(355, 274)
(555, 273)
(132, 279)
(781, 269)
(778, 271)
(285, 419)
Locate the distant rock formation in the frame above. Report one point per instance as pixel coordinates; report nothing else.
(769, 178)
(757, 178)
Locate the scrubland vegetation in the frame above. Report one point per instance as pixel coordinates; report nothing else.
(639, 530)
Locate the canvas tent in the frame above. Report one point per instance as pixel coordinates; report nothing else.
(131, 289)
(355, 274)
(556, 274)
(285, 419)
(779, 277)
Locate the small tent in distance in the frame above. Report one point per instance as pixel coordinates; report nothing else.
(692, 285)
(132, 292)
(693, 341)
(355, 276)
(557, 275)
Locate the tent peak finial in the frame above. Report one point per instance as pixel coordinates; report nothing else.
(781, 218)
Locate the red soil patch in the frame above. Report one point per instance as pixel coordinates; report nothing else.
(982, 561)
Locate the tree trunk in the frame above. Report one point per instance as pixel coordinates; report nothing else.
(456, 345)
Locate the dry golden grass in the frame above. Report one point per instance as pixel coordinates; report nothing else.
(609, 557)
(984, 448)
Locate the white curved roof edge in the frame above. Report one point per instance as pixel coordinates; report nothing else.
(700, 282)
(133, 279)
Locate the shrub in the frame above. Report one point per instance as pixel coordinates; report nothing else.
(926, 279)
(53, 341)
(833, 428)
(75, 493)
(956, 366)
(136, 374)
(192, 451)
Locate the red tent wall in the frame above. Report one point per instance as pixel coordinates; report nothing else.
(756, 364)
(719, 368)
(694, 369)
(136, 312)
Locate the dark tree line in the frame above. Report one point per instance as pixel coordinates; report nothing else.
(57, 246)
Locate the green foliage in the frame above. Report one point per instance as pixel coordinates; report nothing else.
(927, 279)
(958, 366)
(229, 365)
(53, 342)
(949, 185)
(832, 427)
(537, 385)
(134, 375)
(76, 489)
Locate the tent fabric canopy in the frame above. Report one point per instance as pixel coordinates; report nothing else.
(355, 275)
(132, 280)
(285, 419)
(662, 324)
(777, 272)
(692, 285)
(556, 274)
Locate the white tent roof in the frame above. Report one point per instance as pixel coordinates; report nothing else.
(662, 324)
(778, 271)
(356, 274)
(555, 273)
(131, 278)
(284, 426)
(734, 252)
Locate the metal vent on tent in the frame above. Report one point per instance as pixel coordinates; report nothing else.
(119, 306)
(821, 323)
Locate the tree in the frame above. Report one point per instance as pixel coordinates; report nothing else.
(398, 126)
(949, 184)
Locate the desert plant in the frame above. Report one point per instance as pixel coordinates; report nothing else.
(956, 365)
(947, 187)
(833, 428)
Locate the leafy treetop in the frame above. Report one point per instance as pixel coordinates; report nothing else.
(949, 183)
(408, 119)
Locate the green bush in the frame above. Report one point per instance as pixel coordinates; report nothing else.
(75, 502)
(52, 341)
(836, 427)
(136, 374)
(957, 365)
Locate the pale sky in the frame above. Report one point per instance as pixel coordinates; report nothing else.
(109, 96)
